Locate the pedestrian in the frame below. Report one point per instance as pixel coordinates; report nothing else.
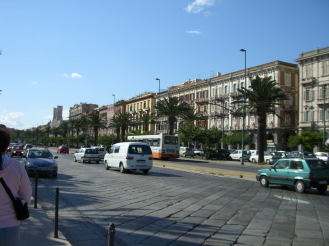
(15, 176)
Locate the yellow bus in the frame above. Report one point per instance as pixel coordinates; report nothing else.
(163, 146)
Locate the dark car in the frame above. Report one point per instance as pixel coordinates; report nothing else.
(63, 149)
(301, 173)
(220, 154)
(16, 150)
(41, 162)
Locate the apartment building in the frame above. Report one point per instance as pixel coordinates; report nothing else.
(142, 112)
(81, 109)
(314, 90)
(214, 97)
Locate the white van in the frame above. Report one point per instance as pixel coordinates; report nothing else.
(129, 156)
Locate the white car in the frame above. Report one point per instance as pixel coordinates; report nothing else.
(269, 157)
(323, 156)
(86, 155)
(237, 155)
(129, 156)
(101, 151)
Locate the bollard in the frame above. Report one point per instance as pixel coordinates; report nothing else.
(111, 233)
(56, 214)
(36, 191)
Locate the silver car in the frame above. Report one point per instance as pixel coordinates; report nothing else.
(86, 155)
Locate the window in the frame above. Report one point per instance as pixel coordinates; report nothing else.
(308, 95)
(287, 79)
(205, 94)
(282, 164)
(308, 116)
(308, 71)
(242, 85)
(321, 114)
(296, 165)
(234, 88)
(287, 119)
(325, 67)
(226, 90)
(192, 96)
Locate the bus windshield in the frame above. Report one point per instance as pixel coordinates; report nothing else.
(171, 140)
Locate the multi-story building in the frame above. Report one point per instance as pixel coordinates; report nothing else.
(57, 117)
(142, 111)
(81, 109)
(214, 97)
(314, 90)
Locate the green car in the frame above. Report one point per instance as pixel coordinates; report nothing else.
(300, 173)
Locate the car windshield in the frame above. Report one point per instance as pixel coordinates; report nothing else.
(40, 154)
(100, 149)
(140, 149)
(317, 164)
(18, 147)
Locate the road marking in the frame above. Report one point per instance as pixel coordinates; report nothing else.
(292, 199)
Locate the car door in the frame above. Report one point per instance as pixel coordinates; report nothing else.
(296, 170)
(79, 154)
(279, 173)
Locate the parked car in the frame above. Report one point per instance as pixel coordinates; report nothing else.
(63, 149)
(41, 162)
(198, 152)
(220, 154)
(16, 150)
(299, 173)
(298, 154)
(186, 151)
(237, 155)
(129, 156)
(101, 151)
(86, 155)
(269, 157)
(11, 145)
(323, 156)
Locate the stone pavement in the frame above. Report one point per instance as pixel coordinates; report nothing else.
(38, 230)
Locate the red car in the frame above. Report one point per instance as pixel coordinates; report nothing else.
(62, 149)
(16, 150)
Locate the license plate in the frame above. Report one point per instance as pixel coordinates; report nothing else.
(323, 182)
(44, 168)
(140, 161)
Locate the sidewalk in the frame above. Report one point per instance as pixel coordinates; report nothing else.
(38, 230)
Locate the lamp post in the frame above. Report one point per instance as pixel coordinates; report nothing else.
(324, 116)
(113, 117)
(244, 101)
(156, 129)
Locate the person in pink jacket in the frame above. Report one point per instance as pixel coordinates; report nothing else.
(14, 175)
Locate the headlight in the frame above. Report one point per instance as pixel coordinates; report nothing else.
(29, 164)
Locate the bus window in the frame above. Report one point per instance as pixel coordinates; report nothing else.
(170, 140)
(156, 142)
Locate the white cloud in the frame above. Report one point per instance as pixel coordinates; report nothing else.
(35, 82)
(193, 32)
(199, 5)
(12, 119)
(72, 75)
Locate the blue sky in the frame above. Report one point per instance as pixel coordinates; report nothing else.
(63, 52)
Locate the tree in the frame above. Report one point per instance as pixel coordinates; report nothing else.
(96, 123)
(172, 109)
(234, 140)
(308, 139)
(121, 121)
(190, 133)
(262, 97)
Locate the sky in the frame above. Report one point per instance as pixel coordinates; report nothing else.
(64, 52)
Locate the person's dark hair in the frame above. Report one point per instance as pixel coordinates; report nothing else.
(4, 141)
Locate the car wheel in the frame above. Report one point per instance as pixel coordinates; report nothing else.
(300, 186)
(106, 166)
(263, 181)
(122, 169)
(253, 160)
(240, 159)
(145, 171)
(184, 155)
(268, 162)
(75, 160)
(322, 188)
(97, 162)
(82, 160)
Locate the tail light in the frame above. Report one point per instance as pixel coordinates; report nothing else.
(150, 158)
(310, 176)
(129, 158)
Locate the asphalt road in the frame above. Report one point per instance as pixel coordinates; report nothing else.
(175, 207)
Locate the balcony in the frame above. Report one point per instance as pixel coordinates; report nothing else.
(308, 81)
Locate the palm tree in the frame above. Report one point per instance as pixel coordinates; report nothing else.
(121, 121)
(262, 97)
(172, 109)
(96, 123)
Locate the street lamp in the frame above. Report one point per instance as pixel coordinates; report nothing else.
(244, 101)
(156, 129)
(324, 116)
(113, 117)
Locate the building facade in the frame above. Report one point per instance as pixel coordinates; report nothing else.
(314, 91)
(81, 109)
(57, 117)
(215, 98)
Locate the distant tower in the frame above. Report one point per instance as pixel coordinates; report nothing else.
(57, 116)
